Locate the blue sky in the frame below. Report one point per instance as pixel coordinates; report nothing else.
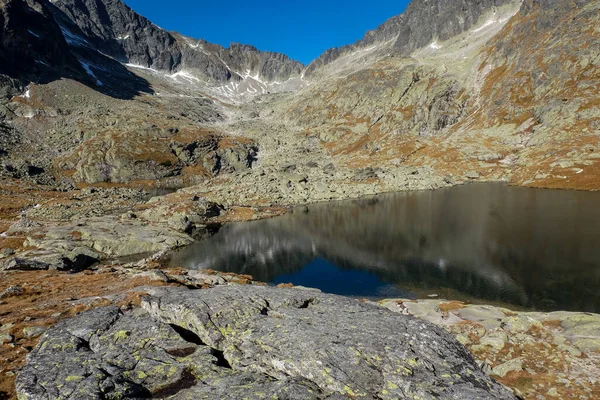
(300, 29)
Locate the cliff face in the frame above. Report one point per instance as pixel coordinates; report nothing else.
(30, 39)
(425, 21)
(116, 30)
(513, 97)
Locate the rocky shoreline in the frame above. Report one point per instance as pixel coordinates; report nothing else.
(537, 355)
(46, 280)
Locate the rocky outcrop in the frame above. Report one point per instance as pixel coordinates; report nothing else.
(130, 152)
(254, 342)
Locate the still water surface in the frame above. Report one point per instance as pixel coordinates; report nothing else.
(530, 248)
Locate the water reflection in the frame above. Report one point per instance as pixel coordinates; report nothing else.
(529, 247)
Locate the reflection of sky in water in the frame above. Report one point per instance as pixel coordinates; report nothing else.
(529, 247)
(323, 275)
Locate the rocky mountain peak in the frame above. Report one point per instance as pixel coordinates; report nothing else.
(427, 20)
(423, 22)
(116, 30)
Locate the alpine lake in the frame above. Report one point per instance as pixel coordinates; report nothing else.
(491, 243)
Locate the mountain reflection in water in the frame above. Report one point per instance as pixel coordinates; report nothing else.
(491, 242)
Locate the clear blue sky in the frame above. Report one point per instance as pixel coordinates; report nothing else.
(300, 29)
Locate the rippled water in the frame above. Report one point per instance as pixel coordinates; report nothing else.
(532, 248)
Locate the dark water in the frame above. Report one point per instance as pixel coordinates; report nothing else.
(537, 249)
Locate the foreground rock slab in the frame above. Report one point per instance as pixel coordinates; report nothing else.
(251, 342)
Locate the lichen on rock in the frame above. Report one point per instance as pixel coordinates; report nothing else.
(252, 342)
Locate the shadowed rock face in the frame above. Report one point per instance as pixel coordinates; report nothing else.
(255, 342)
(30, 40)
(105, 24)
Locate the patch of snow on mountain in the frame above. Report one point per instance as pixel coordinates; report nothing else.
(137, 66)
(88, 69)
(73, 39)
(435, 46)
(185, 75)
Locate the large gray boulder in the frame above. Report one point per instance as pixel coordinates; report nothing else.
(251, 342)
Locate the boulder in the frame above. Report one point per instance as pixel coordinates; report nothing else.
(251, 342)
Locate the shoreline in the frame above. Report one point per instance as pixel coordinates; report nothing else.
(61, 294)
(521, 349)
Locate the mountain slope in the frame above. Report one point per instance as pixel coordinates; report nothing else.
(443, 93)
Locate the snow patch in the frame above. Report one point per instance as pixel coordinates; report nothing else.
(198, 46)
(490, 22)
(73, 39)
(434, 45)
(88, 69)
(41, 62)
(33, 34)
(123, 38)
(185, 75)
(137, 66)
(4, 234)
(485, 25)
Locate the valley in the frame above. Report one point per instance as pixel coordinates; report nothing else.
(121, 141)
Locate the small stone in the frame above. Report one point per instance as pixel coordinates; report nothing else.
(485, 366)
(496, 340)
(33, 331)
(553, 392)
(205, 278)
(12, 292)
(472, 175)
(509, 366)
(521, 323)
(156, 275)
(463, 339)
(6, 338)
(7, 251)
(22, 264)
